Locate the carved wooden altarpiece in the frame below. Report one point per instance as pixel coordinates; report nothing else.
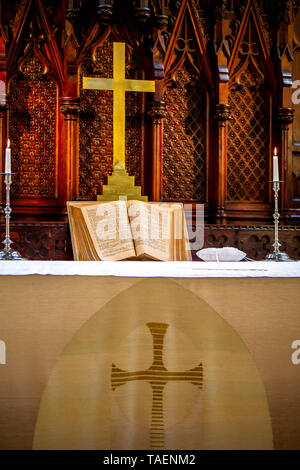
(224, 72)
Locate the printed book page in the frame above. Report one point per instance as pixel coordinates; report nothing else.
(110, 231)
(151, 228)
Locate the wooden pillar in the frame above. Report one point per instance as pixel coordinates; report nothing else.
(70, 108)
(157, 112)
(222, 115)
(285, 117)
(221, 112)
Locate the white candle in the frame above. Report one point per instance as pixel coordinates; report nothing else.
(8, 158)
(275, 166)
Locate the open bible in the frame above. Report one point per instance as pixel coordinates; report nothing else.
(128, 230)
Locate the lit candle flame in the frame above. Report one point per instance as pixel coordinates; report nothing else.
(8, 143)
(275, 151)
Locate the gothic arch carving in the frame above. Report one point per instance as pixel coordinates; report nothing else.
(35, 77)
(188, 88)
(251, 89)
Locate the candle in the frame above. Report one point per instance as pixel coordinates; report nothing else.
(8, 158)
(275, 166)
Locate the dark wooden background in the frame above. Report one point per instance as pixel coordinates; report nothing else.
(224, 71)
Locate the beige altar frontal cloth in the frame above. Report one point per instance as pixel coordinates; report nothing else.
(156, 367)
(110, 362)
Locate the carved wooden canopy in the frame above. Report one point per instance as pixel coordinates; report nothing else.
(224, 71)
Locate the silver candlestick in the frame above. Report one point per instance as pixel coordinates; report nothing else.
(8, 254)
(277, 255)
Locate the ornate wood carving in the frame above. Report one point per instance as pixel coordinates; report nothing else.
(294, 178)
(51, 241)
(251, 89)
(157, 112)
(33, 78)
(222, 115)
(248, 151)
(70, 108)
(184, 142)
(18, 9)
(41, 241)
(208, 134)
(254, 240)
(185, 155)
(32, 130)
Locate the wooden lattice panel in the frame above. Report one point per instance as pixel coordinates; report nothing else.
(247, 157)
(184, 150)
(32, 130)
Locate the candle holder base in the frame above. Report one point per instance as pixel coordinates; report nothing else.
(11, 255)
(280, 256)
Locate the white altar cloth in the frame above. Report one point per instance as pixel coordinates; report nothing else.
(151, 269)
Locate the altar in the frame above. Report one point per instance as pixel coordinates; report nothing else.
(128, 355)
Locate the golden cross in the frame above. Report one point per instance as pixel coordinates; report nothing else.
(158, 376)
(119, 85)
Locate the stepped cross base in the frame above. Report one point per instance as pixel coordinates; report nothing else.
(121, 186)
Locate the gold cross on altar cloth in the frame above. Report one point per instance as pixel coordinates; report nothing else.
(119, 85)
(157, 376)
